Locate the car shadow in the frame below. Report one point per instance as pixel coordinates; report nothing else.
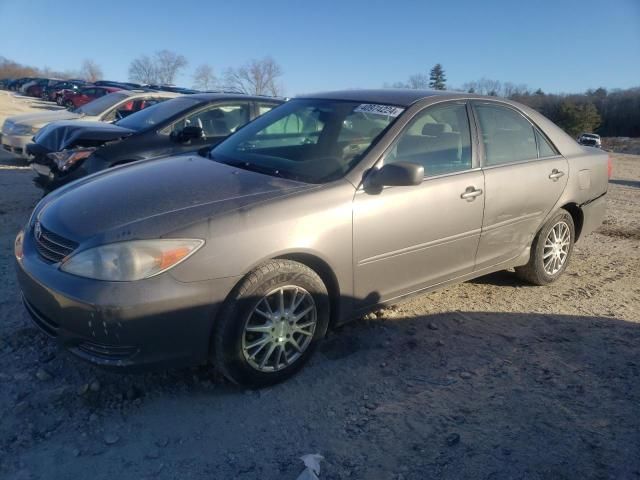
(476, 391)
(626, 183)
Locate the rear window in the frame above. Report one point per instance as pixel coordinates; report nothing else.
(101, 104)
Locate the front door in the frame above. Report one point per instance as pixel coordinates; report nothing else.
(524, 178)
(410, 238)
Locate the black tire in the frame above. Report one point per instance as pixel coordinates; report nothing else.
(69, 105)
(229, 330)
(534, 271)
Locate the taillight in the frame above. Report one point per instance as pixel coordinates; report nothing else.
(610, 166)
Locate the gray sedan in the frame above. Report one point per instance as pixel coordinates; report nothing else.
(320, 210)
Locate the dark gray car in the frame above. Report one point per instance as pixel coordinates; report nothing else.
(318, 211)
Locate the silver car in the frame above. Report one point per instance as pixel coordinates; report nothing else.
(326, 207)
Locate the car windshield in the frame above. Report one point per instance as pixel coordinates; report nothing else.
(156, 114)
(98, 106)
(311, 140)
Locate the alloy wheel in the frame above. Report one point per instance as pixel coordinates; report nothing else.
(556, 248)
(279, 329)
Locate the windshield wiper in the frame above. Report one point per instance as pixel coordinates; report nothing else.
(252, 167)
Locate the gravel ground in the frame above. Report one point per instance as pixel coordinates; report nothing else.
(488, 379)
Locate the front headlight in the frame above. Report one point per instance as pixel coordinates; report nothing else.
(19, 129)
(66, 159)
(133, 260)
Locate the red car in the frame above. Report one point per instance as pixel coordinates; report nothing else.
(76, 98)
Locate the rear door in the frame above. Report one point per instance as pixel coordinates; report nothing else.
(524, 178)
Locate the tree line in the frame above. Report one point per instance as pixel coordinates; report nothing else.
(257, 77)
(614, 113)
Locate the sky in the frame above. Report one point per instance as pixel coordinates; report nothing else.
(556, 45)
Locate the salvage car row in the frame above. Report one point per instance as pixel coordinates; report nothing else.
(235, 229)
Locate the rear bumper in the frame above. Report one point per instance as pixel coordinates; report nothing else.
(157, 322)
(593, 213)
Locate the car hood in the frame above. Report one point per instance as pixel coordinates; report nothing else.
(42, 118)
(151, 198)
(65, 134)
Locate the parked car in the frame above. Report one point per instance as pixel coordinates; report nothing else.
(322, 209)
(4, 83)
(35, 90)
(65, 151)
(122, 85)
(76, 98)
(590, 140)
(53, 92)
(16, 84)
(17, 131)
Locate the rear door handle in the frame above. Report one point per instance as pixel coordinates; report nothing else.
(555, 174)
(471, 193)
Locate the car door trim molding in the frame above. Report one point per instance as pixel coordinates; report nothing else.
(421, 246)
(512, 221)
(519, 162)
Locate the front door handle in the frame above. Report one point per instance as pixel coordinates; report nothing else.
(555, 174)
(471, 193)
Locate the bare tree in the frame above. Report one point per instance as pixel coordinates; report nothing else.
(168, 65)
(90, 71)
(258, 77)
(418, 81)
(204, 78)
(162, 68)
(143, 70)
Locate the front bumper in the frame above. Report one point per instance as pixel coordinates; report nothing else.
(16, 144)
(157, 322)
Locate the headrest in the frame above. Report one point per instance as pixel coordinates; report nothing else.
(433, 129)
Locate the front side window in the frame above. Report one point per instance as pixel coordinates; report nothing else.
(506, 134)
(438, 138)
(216, 121)
(311, 140)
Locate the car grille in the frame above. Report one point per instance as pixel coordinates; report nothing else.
(52, 247)
(106, 352)
(45, 324)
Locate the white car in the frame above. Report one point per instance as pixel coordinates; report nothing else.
(590, 140)
(17, 131)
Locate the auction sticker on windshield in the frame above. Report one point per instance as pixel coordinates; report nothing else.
(376, 109)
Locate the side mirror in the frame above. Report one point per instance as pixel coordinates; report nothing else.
(400, 174)
(204, 151)
(189, 133)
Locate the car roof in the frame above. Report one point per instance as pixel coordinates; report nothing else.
(210, 97)
(402, 97)
(147, 93)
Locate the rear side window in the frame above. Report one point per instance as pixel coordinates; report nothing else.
(544, 147)
(438, 138)
(266, 107)
(507, 135)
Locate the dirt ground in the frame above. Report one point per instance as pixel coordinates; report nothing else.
(490, 379)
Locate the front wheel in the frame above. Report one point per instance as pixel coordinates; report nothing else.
(550, 251)
(271, 324)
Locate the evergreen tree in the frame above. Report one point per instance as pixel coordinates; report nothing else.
(437, 78)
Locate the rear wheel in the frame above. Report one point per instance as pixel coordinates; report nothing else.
(550, 251)
(271, 324)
